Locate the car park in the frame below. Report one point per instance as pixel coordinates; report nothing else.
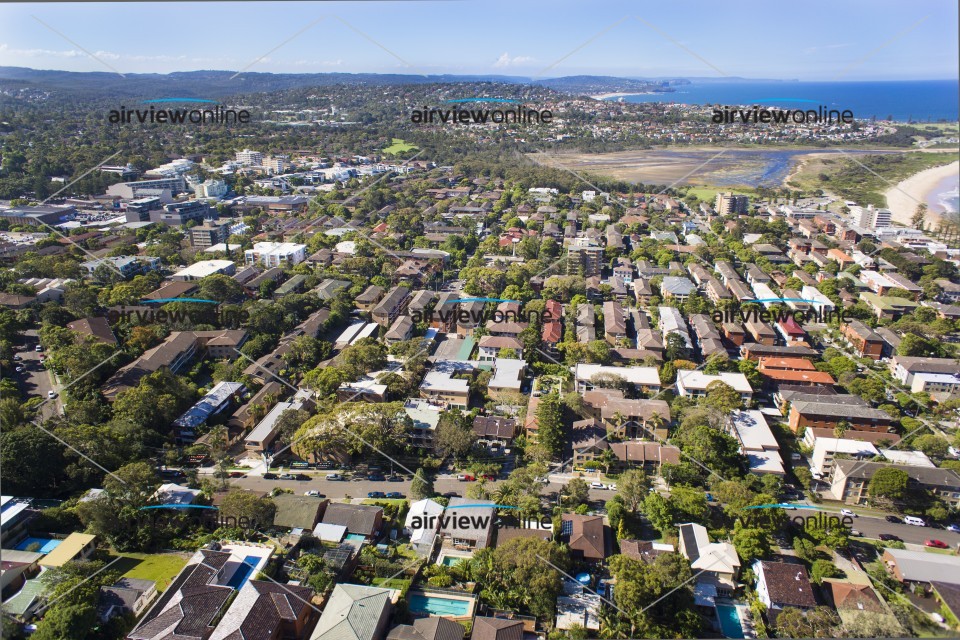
(936, 544)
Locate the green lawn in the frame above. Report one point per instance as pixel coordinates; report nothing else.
(399, 146)
(161, 567)
(382, 501)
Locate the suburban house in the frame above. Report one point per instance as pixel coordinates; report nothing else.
(781, 585)
(467, 528)
(355, 612)
(918, 569)
(359, 519)
(693, 384)
(717, 562)
(587, 536)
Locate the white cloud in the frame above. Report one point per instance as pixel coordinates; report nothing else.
(506, 61)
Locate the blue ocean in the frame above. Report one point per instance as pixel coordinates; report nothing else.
(918, 101)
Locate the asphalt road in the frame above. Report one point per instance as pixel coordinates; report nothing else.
(360, 488)
(37, 381)
(871, 527)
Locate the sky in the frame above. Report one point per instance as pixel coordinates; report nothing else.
(812, 40)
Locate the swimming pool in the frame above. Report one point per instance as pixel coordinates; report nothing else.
(243, 571)
(46, 545)
(437, 606)
(356, 537)
(729, 621)
(449, 561)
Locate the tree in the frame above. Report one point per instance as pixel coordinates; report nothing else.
(933, 446)
(454, 435)
(824, 569)
(220, 288)
(818, 623)
(888, 483)
(633, 487)
(421, 487)
(256, 510)
(550, 433)
(577, 492)
(751, 544)
(723, 397)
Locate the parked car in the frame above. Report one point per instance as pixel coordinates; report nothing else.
(269, 476)
(489, 477)
(597, 485)
(376, 494)
(848, 512)
(287, 476)
(451, 494)
(889, 537)
(334, 477)
(893, 519)
(17, 358)
(375, 477)
(936, 544)
(19, 369)
(38, 348)
(301, 476)
(395, 479)
(394, 495)
(312, 492)
(465, 477)
(51, 394)
(612, 487)
(237, 474)
(954, 528)
(709, 497)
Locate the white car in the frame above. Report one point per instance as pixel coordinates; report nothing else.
(312, 492)
(334, 476)
(848, 512)
(51, 394)
(954, 528)
(38, 348)
(597, 485)
(612, 487)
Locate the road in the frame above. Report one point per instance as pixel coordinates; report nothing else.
(37, 381)
(871, 527)
(360, 488)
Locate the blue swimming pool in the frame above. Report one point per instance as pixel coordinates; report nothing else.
(729, 621)
(46, 545)
(356, 537)
(449, 561)
(437, 606)
(243, 572)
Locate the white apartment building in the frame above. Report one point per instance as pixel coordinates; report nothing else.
(210, 189)
(693, 384)
(250, 158)
(276, 254)
(870, 217)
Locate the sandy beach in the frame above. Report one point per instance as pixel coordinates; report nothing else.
(902, 200)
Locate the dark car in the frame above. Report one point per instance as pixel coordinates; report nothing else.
(376, 494)
(301, 476)
(375, 477)
(394, 495)
(237, 474)
(893, 519)
(451, 494)
(395, 479)
(889, 537)
(269, 476)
